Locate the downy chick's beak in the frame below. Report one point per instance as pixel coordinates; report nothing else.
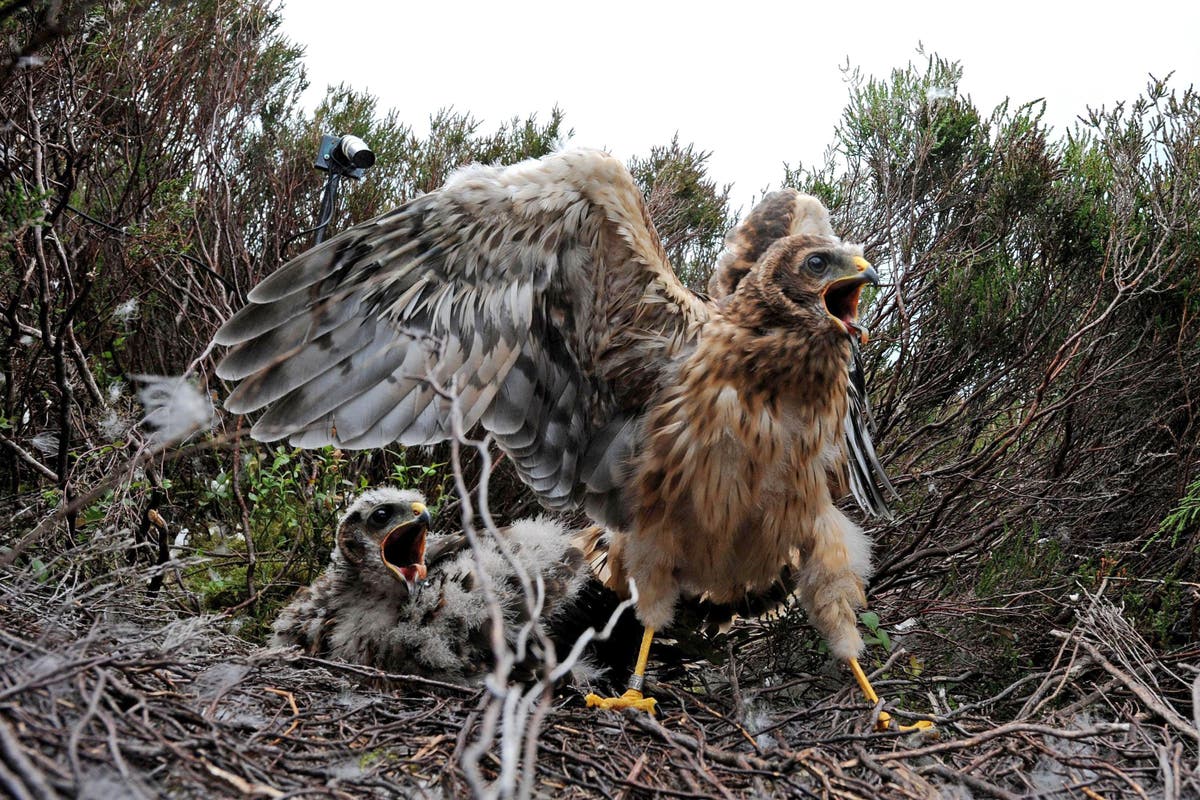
(403, 548)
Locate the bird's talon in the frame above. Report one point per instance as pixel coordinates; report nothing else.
(919, 725)
(631, 699)
(886, 723)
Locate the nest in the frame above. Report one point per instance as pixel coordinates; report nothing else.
(105, 693)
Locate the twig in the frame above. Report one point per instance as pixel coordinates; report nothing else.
(241, 784)
(32, 782)
(29, 458)
(291, 698)
(970, 781)
(99, 488)
(1012, 728)
(726, 757)
(372, 672)
(1140, 691)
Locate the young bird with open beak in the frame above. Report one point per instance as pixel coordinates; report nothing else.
(401, 598)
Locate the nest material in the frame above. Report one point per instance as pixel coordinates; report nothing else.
(102, 697)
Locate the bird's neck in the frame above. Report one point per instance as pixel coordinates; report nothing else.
(782, 362)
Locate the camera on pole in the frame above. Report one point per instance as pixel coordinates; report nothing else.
(347, 156)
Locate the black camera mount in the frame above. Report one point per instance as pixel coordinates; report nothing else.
(340, 156)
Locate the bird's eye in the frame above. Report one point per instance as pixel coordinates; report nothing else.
(381, 515)
(816, 263)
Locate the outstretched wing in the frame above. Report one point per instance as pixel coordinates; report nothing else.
(789, 213)
(535, 299)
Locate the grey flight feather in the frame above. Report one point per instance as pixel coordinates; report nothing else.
(528, 294)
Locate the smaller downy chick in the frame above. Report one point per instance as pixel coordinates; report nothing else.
(397, 597)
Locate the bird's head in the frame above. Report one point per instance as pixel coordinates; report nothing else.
(382, 537)
(816, 279)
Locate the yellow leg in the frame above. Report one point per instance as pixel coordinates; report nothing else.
(633, 697)
(885, 721)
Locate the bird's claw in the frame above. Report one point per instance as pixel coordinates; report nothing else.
(886, 723)
(631, 699)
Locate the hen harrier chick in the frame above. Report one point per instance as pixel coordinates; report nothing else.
(401, 599)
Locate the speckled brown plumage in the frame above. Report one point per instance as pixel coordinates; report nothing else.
(710, 435)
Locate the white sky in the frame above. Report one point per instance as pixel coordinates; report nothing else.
(756, 83)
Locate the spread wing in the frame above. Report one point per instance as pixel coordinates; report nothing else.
(534, 299)
(788, 213)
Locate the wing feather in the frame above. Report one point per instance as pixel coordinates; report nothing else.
(340, 383)
(538, 296)
(324, 344)
(869, 482)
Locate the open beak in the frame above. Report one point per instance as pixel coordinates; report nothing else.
(841, 295)
(403, 548)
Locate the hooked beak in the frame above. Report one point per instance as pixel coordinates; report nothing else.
(842, 293)
(403, 548)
